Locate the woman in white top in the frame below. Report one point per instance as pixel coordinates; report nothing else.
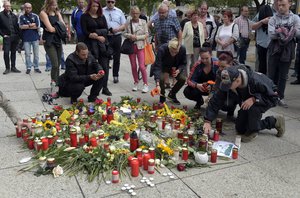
(227, 34)
(138, 34)
(193, 37)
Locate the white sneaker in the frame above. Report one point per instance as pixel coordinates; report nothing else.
(282, 103)
(135, 87)
(145, 88)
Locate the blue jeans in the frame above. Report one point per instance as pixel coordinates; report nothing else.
(35, 48)
(243, 53)
(278, 72)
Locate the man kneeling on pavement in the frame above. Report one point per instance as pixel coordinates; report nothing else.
(256, 93)
(171, 59)
(82, 70)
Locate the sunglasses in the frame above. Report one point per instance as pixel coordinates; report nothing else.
(112, 2)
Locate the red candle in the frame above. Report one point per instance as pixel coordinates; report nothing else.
(129, 159)
(177, 125)
(216, 136)
(146, 158)
(151, 166)
(73, 137)
(104, 117)
(108, 101)
(106, 146)
(134, 141)
(213, 156)
(45, 144)
(134, 167)
(93, 142)
(115, 176)
(18, 132)
(50, 139)
(33, 119)
(30, 143)
(185, 154)
(126, 135)
(180, 135)
(25, 137)
(152, 152)
(101, 136)
(186, 139)
(23, 130)
(138, 100)
(39, 146)
(235, 153)
(110, 117)
(86, 137)
(81, 140)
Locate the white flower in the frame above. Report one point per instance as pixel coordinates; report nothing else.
(157, 161)
(112, 148)
(57, 171)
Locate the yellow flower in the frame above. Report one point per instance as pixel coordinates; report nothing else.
(76, 111)
(160, 112)
(143, 147)
(48, 124)
(132, 127)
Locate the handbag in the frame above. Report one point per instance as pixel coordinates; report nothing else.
(127, 46)
(149, 55)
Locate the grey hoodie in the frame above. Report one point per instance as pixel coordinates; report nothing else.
(287, 21)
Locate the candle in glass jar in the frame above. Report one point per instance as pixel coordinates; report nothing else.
(235, 153)
(134, 164)
(151, 166)
(129, 158)
(73, 137)
(45, 144)
(115, 176)
(126, 135)
(216, 136)
(81, 140)
(213, 156)
(146, 158)
(93, 142)
(30, 143)
(185, 154)
(152, 152)
(18, 132)
(50, 139)
(219, 124)
(134, 141)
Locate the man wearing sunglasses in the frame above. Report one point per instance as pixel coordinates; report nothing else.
(116, 24)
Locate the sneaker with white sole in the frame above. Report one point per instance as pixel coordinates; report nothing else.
(135, 87)
(145, 88)
(282, 103)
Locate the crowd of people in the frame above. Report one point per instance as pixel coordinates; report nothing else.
(183, 49)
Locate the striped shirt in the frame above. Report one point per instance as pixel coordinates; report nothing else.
(245, 26)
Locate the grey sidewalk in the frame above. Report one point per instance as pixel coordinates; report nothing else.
(267, 167)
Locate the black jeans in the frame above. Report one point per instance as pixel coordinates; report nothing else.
(74, 90)
(262, 59)
(249, 121)
(194, 94)
(180, 80)
(115, 42)
(10, 45)
(278, 72)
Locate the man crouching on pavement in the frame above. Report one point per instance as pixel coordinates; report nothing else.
(256, 93)
(82, 70)
(170, 59)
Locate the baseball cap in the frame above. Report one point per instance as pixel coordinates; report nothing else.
(228, 75)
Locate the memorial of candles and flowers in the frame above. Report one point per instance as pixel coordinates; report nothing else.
(106, 139)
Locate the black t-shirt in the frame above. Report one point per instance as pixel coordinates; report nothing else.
(196, 39)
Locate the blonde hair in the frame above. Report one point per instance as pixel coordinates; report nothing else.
(173, 43)
(47, 5)
(136, 8)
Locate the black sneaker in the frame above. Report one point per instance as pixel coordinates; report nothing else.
(116, 79)
(296, 82)
(28, 71)
(173, 99)
(37, 71)
(15, 70)
(162, 99)
(105, 91)
(6, 71)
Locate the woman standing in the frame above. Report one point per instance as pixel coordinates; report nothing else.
(227, 34)
(50, 17)
(193, 37)
(137, 31)
(95, 30)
